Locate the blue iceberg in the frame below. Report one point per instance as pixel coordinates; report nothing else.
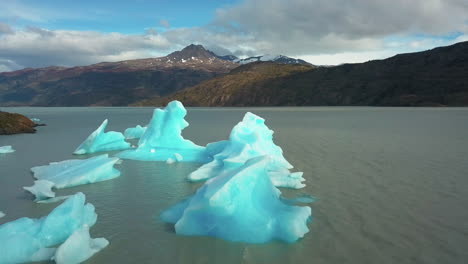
(102, 141)
(42, 189)
(28, 240)
(6, 149)
(134, 132)
(248, 139)
(242, 205)
(163, 138)
(70, 173)
(79, 247)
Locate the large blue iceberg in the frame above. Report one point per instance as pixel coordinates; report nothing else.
(102, 141)
(134, 132)
(248, 139)
(163, 138)
(70, 173)
(79, 247)
(6, 149)
(241, 204)
(28, 240)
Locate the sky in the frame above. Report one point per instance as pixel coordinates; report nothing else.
(40, 33)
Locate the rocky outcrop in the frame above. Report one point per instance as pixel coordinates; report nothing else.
(12, 123)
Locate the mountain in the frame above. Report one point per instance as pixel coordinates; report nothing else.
(242, 86)
(271, 58)
(111, 83)
(437, 77)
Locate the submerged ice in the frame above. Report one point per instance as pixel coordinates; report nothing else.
(99, 141)
(248, 139)
(241, 204)
(162, 138)
(70, 173)
(29, 240)
(6, 149)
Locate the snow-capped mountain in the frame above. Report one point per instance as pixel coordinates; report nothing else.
(273, 58)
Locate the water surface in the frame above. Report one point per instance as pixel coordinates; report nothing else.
(391, 183)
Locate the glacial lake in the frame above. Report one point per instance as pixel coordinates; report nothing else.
(391, 184)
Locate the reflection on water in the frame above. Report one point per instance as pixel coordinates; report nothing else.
(391, 184)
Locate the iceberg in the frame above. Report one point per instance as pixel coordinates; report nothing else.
(28, 240)
(163, 138)
(69, 173)
(102, 141)
(2, 214)
(248, 139)
(240, 205)
(42, 189)
(6, 149)
(134, 132)
(79, 247)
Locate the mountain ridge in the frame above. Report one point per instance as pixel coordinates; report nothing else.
(110, 83)
(437, 77)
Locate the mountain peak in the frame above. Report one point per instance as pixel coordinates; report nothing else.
(190, 52)
(194, 47)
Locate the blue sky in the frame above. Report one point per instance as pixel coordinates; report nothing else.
(38, 33)
(129, 17)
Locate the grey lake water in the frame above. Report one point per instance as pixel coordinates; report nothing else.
(391, 184)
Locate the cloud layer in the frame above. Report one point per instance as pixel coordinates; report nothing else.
(322, 30)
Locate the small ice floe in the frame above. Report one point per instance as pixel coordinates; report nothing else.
(42, 189)
(6, 149)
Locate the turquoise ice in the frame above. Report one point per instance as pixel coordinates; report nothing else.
(242, 205)
(42, 189)
(6, 149)
(28, 240)
(70, 173)
(134, 132)
(79, 247)
(248, 139)
(99, 141)
(163, 138)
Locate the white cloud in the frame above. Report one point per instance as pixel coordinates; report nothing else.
(301, 27)
(36, 47)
